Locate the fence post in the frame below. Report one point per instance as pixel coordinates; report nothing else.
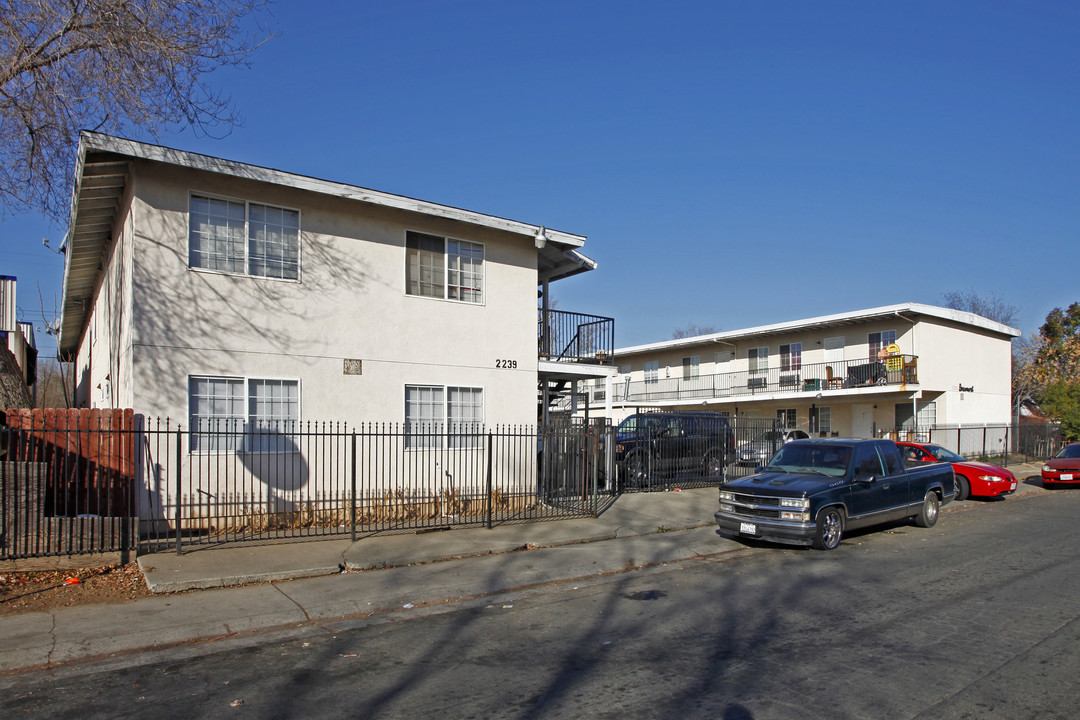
(352, 489)
(489, 444)
(179, 485)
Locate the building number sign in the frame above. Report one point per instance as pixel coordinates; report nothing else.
(506, 364)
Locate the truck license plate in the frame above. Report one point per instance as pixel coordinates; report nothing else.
(748, 528)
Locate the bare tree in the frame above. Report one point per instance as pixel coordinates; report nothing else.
(991, 307)
(692, 330)
(110, 65)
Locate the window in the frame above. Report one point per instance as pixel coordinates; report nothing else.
(652, 371)
(721, 358)
(759, 359)
(429, 407)
(219, 419)
(691, 367)
(791, 357)
(232, 236)
(820, 420)
(443, 268)
(273, 412)
(926, 416)
(879, 340)
(786, 418)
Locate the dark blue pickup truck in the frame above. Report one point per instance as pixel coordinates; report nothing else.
(814, 490)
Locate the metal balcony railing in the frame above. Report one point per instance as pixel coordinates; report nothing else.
(575, 337)
(818, 377)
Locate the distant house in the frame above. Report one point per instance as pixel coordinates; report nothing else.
(202, 289)
(18, 364)
(855, 373)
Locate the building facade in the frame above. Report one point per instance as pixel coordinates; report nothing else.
(206, 290)
(855, 374)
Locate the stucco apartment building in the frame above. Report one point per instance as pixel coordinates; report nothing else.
(852, 374)
(202, 289)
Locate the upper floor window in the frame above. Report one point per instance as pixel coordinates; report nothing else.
(759, 359)
(444, 268)
(880, 340)
(233, 236)
(652, 371)
(691, 367)
(791, 356)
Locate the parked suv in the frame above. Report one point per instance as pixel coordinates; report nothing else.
(666, 445)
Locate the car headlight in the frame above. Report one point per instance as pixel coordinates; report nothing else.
(991, 478)
(798, 516)
(1046, 468)
(794, 502)
(726, 496)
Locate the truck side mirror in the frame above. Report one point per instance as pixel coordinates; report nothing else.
(863, 476)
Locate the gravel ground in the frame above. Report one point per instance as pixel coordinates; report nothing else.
(22, 592)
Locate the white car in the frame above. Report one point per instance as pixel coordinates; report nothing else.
(761, 448)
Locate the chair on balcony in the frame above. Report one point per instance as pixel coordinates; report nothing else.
(832, 381)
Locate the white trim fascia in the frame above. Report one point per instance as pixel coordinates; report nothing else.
(170, 156)
(837, 320)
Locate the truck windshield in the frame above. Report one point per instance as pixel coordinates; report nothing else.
(827, 459)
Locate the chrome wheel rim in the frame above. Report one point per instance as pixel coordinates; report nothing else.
(830, 531)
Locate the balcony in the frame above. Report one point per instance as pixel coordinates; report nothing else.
(895, 370)
(574, 337)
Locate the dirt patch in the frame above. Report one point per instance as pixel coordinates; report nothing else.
(22, 592)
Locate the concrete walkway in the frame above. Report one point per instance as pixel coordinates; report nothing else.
(342, 580)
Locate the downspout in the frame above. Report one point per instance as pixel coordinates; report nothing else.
(914, 399)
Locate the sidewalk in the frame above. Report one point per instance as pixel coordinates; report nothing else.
(392, 572)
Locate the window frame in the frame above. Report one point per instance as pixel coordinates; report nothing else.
(791, 357)
(247, 420)
(652, 372)
(757, 360)
(246, 259)
(691, 367)
(447, 270)
(880, 343)
(441, 438)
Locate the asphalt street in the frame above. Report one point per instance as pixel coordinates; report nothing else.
(974, 618)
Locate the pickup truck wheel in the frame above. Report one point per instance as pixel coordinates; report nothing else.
(830, 527)
(963, 489)
(714, 464)
(928, 515)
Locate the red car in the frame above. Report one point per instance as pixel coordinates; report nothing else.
(977, 479)
(1063, 468)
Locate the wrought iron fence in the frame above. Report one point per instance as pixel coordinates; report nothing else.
(1000, 444)
(663, 450)
(169, 486)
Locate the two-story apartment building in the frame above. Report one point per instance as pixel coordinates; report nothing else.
(203, 290)
(856, 373)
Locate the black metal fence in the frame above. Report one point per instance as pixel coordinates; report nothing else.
(1000, 444)
(664, 450)
(227, 484)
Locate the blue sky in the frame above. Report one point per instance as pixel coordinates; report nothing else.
(732, 163)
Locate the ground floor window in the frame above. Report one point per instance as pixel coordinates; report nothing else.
(436, 415)
(787, 418)
(909, 418)
(820, 421)
(230, 414)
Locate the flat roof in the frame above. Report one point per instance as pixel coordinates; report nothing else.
(829, 321)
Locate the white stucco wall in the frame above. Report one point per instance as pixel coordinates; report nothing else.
(349, 303)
